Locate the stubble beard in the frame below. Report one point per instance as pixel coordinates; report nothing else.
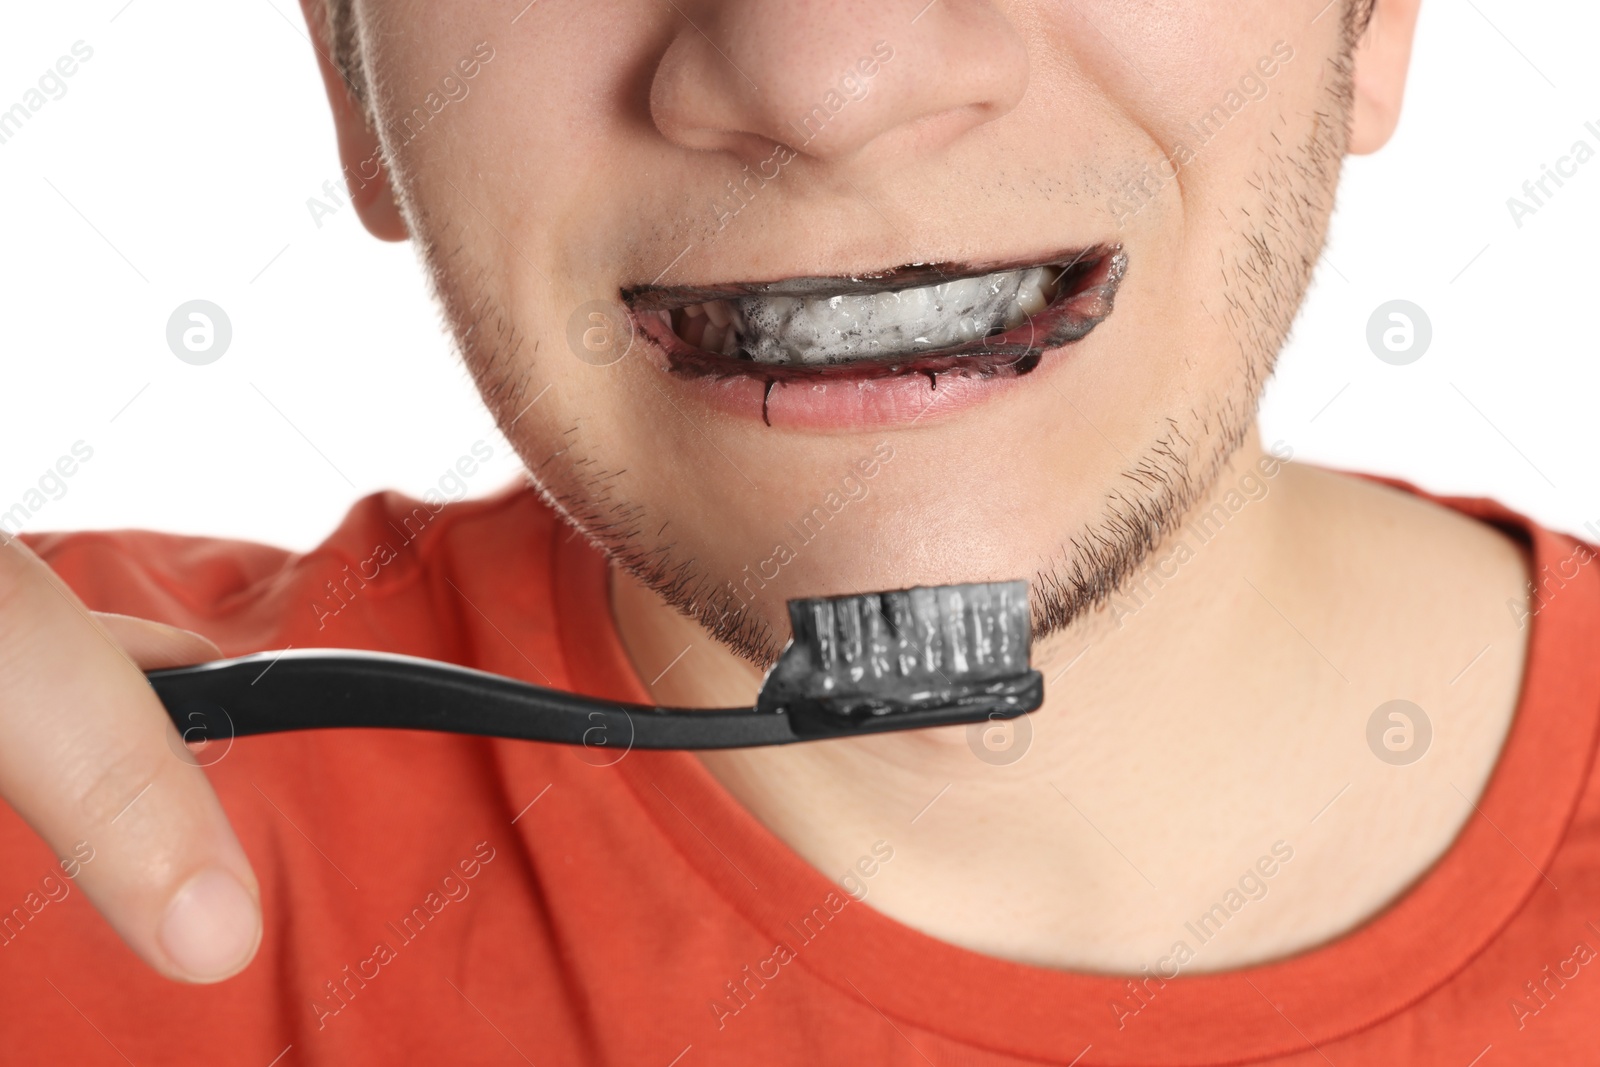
(1269, 263)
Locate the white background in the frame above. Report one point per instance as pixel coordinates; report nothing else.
(179, 162)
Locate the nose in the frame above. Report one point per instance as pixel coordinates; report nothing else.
(828, 79)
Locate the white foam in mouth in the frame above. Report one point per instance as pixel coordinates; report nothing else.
(813, 330)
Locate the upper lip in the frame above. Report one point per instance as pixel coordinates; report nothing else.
(671, 297)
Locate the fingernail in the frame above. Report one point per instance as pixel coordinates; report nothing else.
(211, 927)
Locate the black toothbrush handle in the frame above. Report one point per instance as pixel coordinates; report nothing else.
(303, 690)
(902, 660)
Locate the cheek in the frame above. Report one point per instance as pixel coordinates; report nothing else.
(530, 150)
(1185, 74)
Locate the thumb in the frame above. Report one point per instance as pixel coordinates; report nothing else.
(154, 645)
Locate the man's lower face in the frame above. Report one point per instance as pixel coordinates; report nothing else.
(999, 307)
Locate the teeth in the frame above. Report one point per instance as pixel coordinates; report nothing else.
(772, 328)
(1031, 299)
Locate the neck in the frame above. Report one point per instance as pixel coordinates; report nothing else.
(1194, 724)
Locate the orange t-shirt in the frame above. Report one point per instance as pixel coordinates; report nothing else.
(439, 899)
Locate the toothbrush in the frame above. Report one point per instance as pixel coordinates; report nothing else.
(912, 658)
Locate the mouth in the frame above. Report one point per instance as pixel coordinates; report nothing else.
(932, 320)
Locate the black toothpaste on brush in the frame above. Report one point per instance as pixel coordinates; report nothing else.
(874, 662)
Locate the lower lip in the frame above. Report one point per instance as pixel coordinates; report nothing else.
(843, 404)
(850, 404)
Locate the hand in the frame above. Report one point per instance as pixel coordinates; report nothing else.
(88, 757)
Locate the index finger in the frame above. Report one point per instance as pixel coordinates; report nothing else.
(87, 759)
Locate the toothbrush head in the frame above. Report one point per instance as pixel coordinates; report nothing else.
(913, 657)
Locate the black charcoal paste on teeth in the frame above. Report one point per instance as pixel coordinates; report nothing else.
(865, 326)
